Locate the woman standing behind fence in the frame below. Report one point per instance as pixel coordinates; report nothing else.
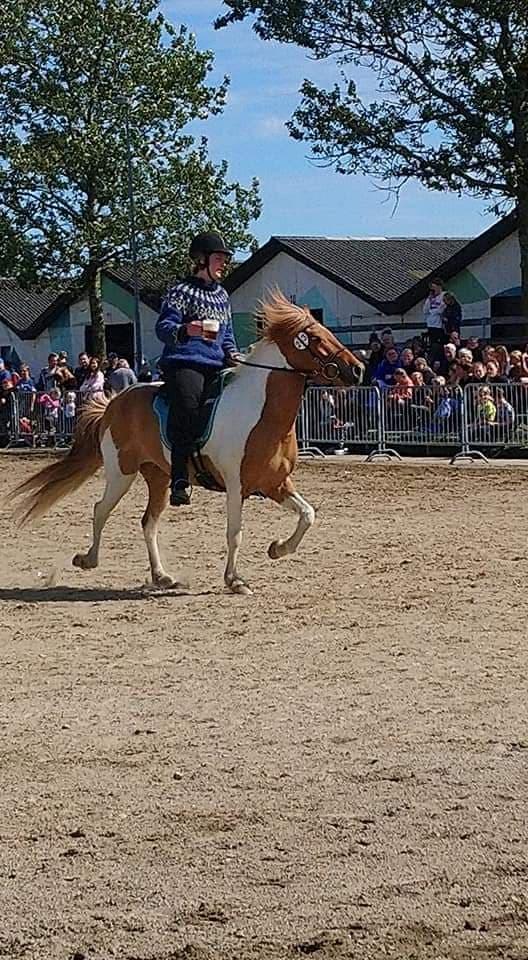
(93, 386)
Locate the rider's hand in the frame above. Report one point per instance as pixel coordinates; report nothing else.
(232, 359)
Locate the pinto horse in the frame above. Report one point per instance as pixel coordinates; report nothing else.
(251, 447)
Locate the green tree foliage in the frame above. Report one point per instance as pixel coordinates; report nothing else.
(451, 107)
(71, 74)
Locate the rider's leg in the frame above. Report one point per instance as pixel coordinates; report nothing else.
(184, 389)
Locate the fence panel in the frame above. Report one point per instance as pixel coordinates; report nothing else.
(37, 420)
(334, 419)
(495, 417)
(422, 416)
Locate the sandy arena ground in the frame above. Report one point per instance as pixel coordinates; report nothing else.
(335, 767)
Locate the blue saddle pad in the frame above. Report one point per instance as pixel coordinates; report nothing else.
(207, 413)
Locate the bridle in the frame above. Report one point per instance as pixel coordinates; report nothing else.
(328, 366)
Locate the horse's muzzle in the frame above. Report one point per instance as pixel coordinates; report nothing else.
(352, 374)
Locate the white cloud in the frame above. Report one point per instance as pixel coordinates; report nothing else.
(272, 126)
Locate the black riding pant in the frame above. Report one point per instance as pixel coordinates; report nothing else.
(185, 388)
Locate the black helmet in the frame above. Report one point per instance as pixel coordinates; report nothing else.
(206, 244)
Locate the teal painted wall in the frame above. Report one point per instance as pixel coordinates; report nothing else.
(60, 333)
(314, 299)
(245, 328)
(466, 288)
(115, 295)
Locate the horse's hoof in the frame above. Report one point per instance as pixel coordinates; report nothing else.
(164, 581)
(82, 560)
(274, 550)
(241, 588)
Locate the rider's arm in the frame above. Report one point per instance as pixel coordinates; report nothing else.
(229, 344)
(170, 325)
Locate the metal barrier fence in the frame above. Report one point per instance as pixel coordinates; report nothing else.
(29, 419)
(474, 423)
(469, 423)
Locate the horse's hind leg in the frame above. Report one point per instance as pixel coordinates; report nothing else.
(288, 497)
(117, 484)
(158, 486)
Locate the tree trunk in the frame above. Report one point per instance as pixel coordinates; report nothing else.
(96, 316)
(523, 243)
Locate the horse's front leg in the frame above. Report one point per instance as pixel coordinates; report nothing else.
(292, 500)
(233, 581)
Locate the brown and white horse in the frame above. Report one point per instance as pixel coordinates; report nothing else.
(252, 445)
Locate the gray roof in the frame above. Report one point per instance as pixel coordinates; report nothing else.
(28, 310)
(382, 268)
(390, 273)
(21, 308)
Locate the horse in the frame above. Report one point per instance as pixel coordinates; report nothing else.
(251, 447)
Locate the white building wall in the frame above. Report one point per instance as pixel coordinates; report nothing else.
(33, 352)
(496, 271)
(303, 285)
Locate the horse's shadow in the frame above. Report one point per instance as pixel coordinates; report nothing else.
(65, 594)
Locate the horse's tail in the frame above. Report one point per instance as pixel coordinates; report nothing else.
(66, 475)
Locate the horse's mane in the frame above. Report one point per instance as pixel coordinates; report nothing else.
(281, 318)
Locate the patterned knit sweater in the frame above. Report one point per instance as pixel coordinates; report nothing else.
(194, 301)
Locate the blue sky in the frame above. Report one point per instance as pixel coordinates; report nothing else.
(300, 198)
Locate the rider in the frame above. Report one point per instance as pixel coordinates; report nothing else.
(195, 326)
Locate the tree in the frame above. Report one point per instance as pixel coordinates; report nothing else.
(451, 108)
(72, 76)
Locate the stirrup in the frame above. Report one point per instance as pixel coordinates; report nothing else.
(180, 497)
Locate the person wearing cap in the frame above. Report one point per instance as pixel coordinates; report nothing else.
(196, 329)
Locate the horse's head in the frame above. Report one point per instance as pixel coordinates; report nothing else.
(307, 345)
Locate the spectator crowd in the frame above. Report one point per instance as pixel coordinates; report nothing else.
(46, 404)
(422, 380)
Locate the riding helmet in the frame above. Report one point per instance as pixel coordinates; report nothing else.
(207, 243)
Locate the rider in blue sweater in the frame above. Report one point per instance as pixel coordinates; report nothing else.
(196, 329)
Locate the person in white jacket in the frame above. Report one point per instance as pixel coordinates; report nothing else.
(433, 312)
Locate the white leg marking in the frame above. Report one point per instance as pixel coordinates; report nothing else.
(306, 514)
(150, 532)
(117, 484)
(234, 538)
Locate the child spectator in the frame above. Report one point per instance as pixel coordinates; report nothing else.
(70, 409)
(486, 411)
(478, 373)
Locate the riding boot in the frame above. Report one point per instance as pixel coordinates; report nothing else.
(179, 495)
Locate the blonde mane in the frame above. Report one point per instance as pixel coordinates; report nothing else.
(280, 318)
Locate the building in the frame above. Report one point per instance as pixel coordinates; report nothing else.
(35, 322)
(356, 285)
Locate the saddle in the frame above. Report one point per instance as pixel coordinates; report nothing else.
(206, 418)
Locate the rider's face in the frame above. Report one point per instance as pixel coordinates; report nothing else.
(217, 265)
